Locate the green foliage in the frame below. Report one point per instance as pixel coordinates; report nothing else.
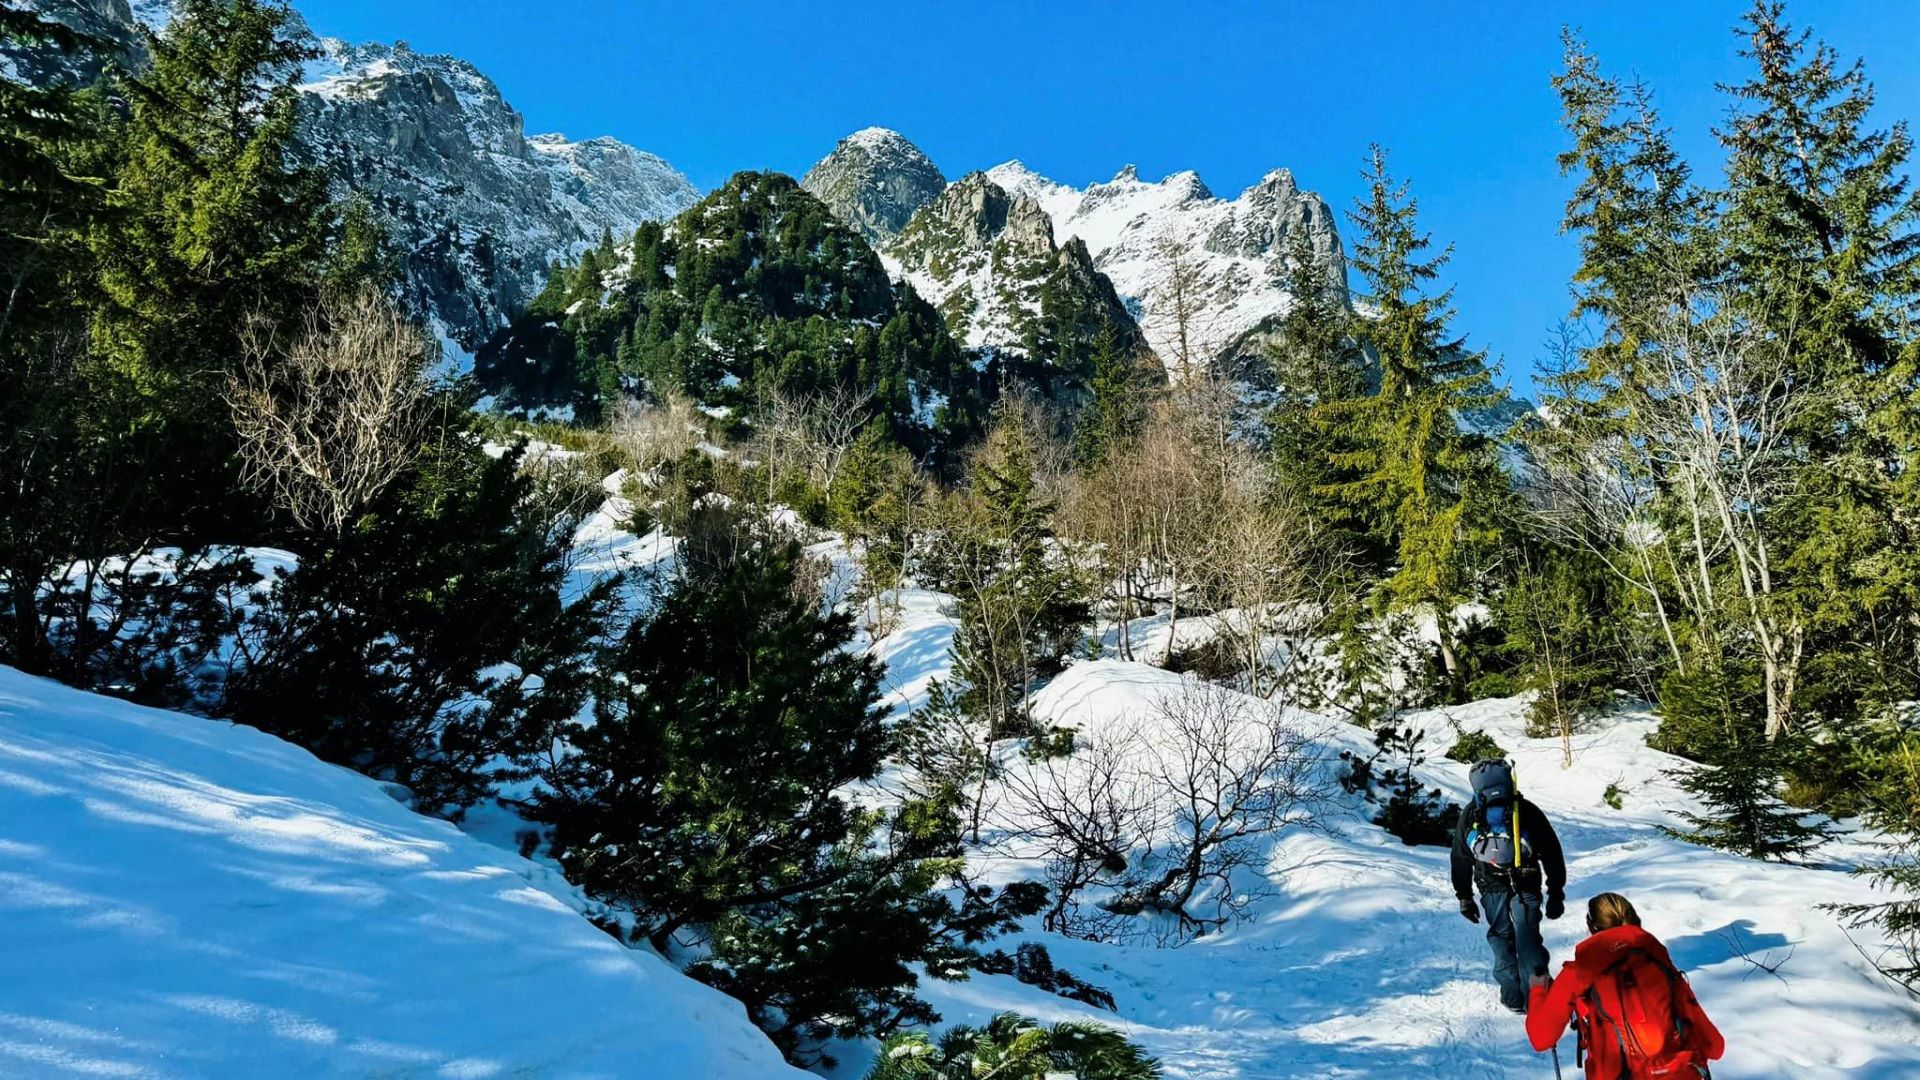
(1118, 393)
(1016, 1048)
(756, 289)
(1425, 486)
(429, 643)
(1615, 795)
(1415, 813)
(1740, 781)
(1023, 601)
(1472, 746)
(1557, 616)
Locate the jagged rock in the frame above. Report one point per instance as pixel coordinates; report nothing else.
(874, 180)
(1235, 248)
(987, 259)
(476, 209)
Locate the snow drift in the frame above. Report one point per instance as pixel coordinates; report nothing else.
(184, 897)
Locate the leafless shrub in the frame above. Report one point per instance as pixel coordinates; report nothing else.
(1225, 772)
(810, 433)
(328, 422)
(1165, 816)
(1084, 815)
(652, 434)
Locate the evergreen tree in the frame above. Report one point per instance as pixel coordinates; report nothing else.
(727, 721)
(1425, 485)
(1023, 603)
(1117, 406)
(1740, 782)
(1823, 234)
(429, 644)
(51, 195)
(1317, 364)
(215, 229)
(1016, 1048)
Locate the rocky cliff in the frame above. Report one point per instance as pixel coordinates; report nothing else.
(475, 208)
(874, 180)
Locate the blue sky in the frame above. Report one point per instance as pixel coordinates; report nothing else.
(1457, 91)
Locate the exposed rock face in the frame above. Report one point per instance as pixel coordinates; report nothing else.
(1234, 250)
(987, 259)
(874, 180)
(476, 209)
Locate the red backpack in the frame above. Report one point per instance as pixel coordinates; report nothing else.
(1638, 1007)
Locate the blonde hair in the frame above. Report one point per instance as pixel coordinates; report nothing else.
(1610, 909)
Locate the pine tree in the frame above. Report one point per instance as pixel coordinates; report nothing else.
(1117, 407)
(727, 721)
(1016, 1048)
(1823, 232)
(1023, 603)
(215, 229)
(51, 194)
(1424, 484)
(1316, 362)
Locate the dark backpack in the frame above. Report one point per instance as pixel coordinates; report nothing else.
(1635, 1005)
(1492, 782)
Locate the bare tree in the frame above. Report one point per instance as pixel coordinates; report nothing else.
(1177, 310)
(327, 423)
(1226, 772)
(810, 433)
(1083, 816)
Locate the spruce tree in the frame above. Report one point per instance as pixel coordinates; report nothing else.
(1740, 780)
(1317, 363)
(726, 724)
(216, 228)
(1023, 603)
(1423, 483)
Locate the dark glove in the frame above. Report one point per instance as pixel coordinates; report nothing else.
(1556, 905)
(1469, 910)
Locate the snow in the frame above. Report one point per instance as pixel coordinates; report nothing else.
(1235, 244)
(184, 897)
(1359, 966)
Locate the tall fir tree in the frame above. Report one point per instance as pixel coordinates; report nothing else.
(216, 228)
(1426, 485)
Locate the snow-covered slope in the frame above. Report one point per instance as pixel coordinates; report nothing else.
(1233, 246)
(182, 897)
(1359, 966)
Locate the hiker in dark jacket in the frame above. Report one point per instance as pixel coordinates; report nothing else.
(1505, 847)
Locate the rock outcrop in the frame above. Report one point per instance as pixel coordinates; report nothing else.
(874, 181)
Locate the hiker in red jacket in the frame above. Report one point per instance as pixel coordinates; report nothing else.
(1634, 1013)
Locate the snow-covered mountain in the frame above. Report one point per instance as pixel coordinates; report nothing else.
(987, 259)
(874, 180)
(1231, 251)
(1139, 230)
(477, 208)
(186, 897)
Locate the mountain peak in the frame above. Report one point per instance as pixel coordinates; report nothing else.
(874, 180)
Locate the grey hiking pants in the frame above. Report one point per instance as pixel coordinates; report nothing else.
(1513, 930)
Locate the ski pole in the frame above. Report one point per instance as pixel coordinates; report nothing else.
(1556, 1062)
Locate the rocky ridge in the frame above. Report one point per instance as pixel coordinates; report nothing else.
(874, 180)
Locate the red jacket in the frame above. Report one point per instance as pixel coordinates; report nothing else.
(1551, 1007)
